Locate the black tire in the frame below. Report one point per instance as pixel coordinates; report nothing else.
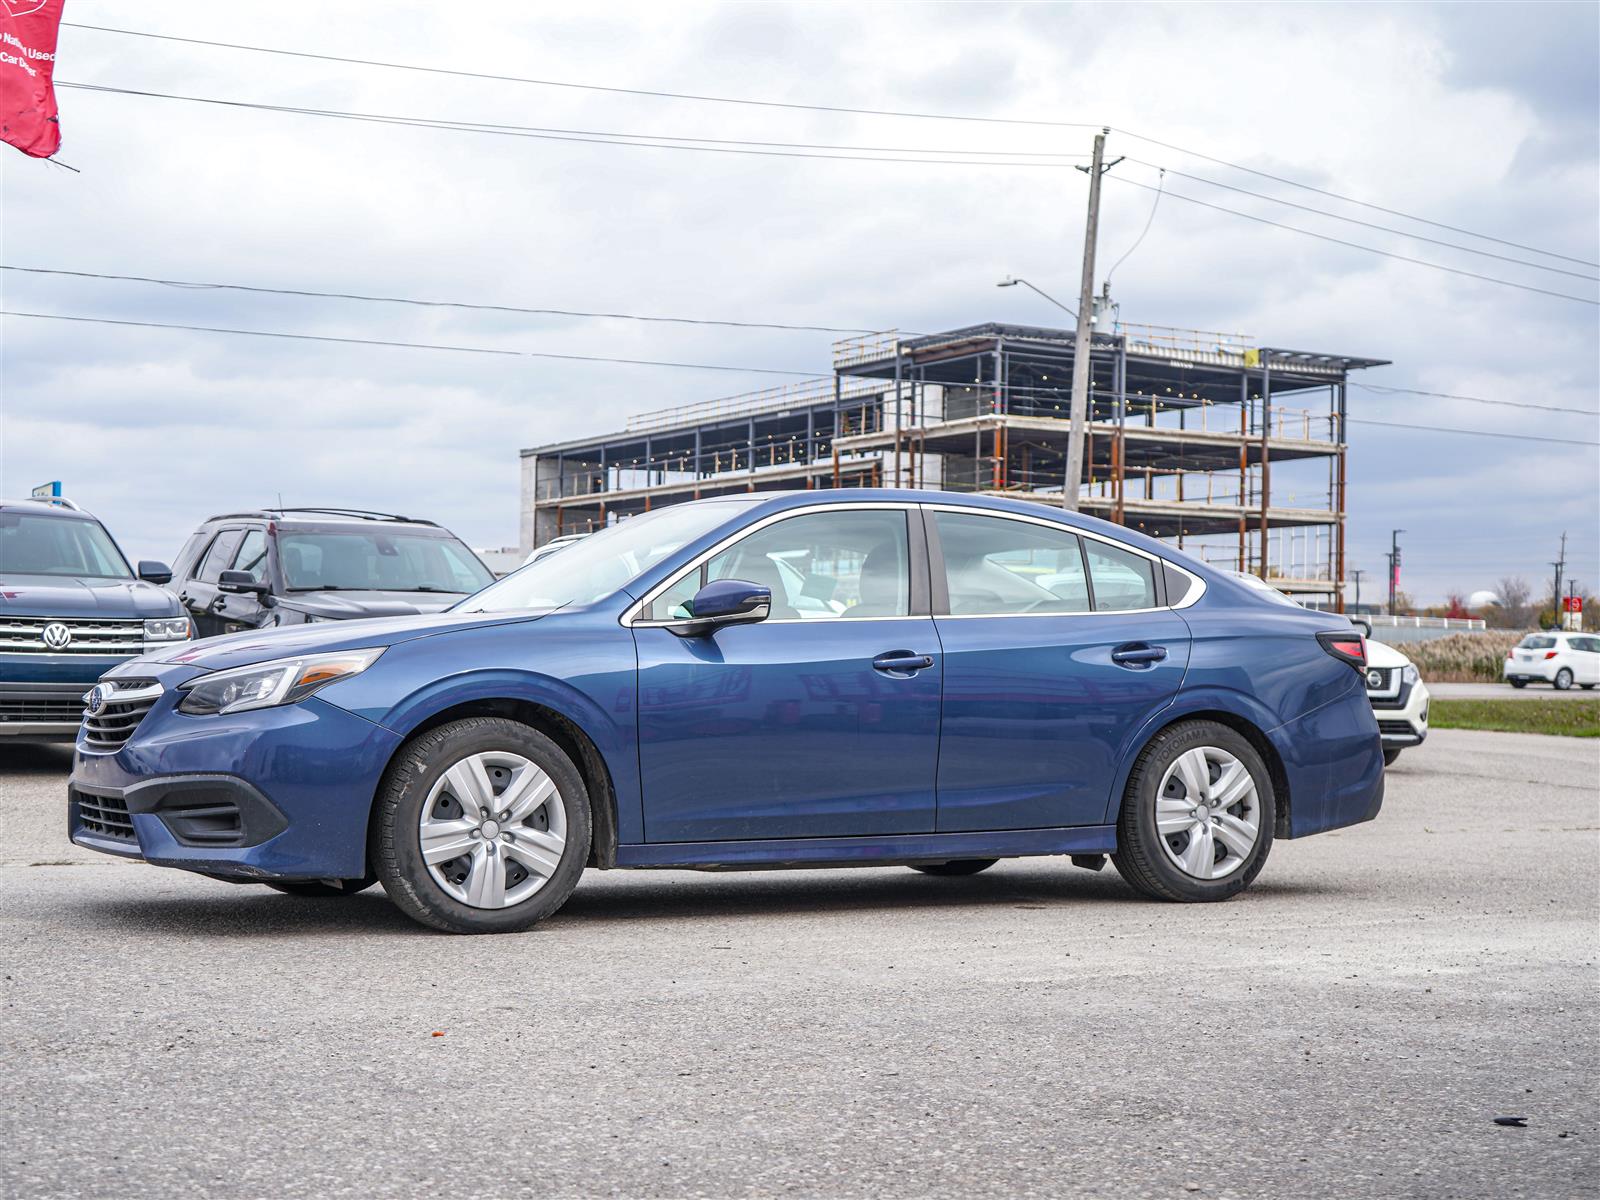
(1588, 687)
(1563, 679)
(396, 848)
(959, 866)
(1140, 857)
(324, 888)
(1390, 755)
(1518, 683)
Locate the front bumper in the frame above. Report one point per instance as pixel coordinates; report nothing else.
(1402, 714)
(291, 799)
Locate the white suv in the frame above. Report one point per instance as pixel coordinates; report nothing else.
(1563, 659)
(1399, 699)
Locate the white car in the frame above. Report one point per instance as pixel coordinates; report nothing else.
(1399, 699)
(1562, 659)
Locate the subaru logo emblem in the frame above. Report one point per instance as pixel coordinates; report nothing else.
(94, 701)
(56, 636)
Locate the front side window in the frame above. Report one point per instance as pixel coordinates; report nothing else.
(819, 566)
(377, 560)
(41, 545)
(1121, 578)
(219, 556)
(252, 555)
(995, 566)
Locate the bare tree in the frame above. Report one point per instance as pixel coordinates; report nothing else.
(1515, 610)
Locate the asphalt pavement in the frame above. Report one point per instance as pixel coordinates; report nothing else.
(1352, 1026)
(1504, 691)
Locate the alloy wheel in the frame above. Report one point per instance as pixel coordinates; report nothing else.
(1208, 815)
(493, 830)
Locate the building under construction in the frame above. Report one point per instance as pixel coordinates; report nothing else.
(1232, 450)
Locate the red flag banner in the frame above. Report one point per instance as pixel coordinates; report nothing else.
(28, 31)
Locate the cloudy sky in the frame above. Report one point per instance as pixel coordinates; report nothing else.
(1479, 116)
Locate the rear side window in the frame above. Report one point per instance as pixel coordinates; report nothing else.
(1122, 579)
(999, 567)
(219, 556)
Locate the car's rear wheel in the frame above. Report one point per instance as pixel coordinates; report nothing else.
(1197, 816)
(320, 888)
(1563, 679)
(482, 826)
(959, 866)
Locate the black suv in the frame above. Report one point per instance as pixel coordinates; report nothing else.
(288, 566)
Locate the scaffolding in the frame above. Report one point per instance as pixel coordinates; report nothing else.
(1234, 451)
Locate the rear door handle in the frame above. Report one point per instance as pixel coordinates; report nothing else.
(1138, 654)
(901, 662)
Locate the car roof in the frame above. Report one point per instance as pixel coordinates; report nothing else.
(324, 517)
(43, 508)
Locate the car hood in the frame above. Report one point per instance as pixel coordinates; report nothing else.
(243, 649)
(63, 596)
(352, 606)
(1380, 655)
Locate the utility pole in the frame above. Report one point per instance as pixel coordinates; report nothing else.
(1394, 566)
(1560, 566)
(1356, 574)
(1085, 330)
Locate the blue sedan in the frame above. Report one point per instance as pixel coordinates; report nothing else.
(805, 679)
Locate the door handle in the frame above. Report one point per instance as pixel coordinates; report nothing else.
(902, 662)
(1138, 654)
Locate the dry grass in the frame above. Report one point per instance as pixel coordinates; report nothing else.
(1461, 657)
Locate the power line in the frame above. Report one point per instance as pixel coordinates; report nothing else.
(1322, 212)
(502, 308)
(638, 362)
(1374, 387)
(1323, 237)
(587, 87)
(311, 337)
(796, 106)
(1393, 212)
(729, 146)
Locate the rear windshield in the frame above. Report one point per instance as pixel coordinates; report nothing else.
(378, 560)
(1534, 642)
(42, 545)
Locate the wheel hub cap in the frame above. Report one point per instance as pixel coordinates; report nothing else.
(493, 861)
(1208, 813)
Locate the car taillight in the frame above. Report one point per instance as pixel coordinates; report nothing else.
(1551, 653)
(1348, 648)
(1509, 656)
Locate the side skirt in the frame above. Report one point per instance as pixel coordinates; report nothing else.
(867, 851)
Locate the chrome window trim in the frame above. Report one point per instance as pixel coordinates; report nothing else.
(1194, 592)
(630, 616)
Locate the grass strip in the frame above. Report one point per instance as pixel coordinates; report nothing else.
(1563, 718)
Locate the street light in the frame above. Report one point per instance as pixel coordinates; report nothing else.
(1008, 281)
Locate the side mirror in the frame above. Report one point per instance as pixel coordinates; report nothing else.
(1364, 625)
(241, 583)
(725, 602)
(154, 572)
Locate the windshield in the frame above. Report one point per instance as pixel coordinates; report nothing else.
(599, 565)
(377, 560)
(1534, 642)
(41, 545)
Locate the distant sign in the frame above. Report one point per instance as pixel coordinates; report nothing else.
(48, 491)
(1572, 604)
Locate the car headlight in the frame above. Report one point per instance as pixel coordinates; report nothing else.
(269, 684)
(167, 629)
(1410, 674)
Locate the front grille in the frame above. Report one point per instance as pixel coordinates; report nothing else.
(1401, 727)
(113, 725)
(106, 816)
(72, 635)
(54, 710)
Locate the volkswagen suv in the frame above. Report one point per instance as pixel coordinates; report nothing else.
(70, 609)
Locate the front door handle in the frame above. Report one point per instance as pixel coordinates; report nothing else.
(1138, 654)
(902, 662)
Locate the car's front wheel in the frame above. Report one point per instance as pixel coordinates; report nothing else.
(1518, 683)
(481, 826)
(1197, 816)
(1389, 756)
(1563, 679)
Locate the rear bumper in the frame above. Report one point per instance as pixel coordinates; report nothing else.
(1333, 757)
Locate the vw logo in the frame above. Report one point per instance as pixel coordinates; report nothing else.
(56, 636)
(94, 701)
